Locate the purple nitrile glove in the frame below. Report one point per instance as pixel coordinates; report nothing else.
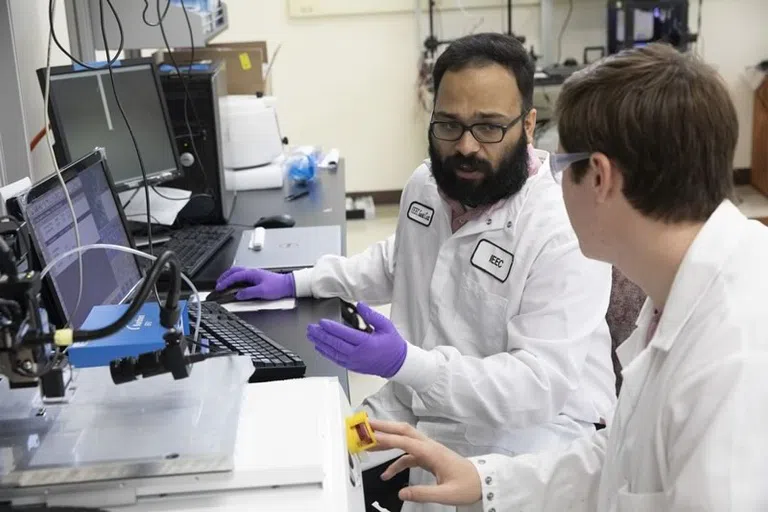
(266, 285)
(381, 352)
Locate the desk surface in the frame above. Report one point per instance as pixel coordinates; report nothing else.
(324, 206)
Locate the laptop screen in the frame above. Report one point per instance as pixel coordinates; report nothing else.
(108, 276)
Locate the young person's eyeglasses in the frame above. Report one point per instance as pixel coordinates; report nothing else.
(559, 162)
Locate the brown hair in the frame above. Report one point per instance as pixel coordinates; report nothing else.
(665, 119)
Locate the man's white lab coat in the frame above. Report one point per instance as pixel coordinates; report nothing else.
(691, 425)
(509, 350)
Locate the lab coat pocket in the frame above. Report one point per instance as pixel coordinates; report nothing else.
(481, 318)
(639, 502)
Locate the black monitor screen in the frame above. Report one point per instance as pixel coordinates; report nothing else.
(108, 276)
(85, 116)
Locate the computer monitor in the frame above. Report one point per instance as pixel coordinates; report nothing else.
(84, 115)
(108, 276)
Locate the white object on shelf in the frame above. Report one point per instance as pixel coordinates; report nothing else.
(251, 135)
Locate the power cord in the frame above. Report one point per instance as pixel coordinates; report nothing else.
(479, 20)
(49, 141)
(72, 57)
(698, 29)
(133, 196)
(187, 97)
(169, 198)
(562, 31)
(212, 349)
(125, 117)
(272, 61)
(135, 252)
(159, 19)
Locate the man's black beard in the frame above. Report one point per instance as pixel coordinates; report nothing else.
(498, 184)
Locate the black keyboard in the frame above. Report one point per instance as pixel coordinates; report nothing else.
(194, 246)
(223, 329)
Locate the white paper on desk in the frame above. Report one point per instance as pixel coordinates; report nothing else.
(255, 305)
(163, 211)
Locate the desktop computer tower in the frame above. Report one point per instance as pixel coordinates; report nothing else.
(211, 202)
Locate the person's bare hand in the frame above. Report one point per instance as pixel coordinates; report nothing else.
(458, 482)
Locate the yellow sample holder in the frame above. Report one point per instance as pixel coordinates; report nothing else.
(360, 435)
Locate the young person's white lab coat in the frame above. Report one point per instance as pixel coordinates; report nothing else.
(691, 424)
(509, 350)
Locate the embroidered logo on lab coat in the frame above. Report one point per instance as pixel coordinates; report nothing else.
(420, 213)
(493, 260)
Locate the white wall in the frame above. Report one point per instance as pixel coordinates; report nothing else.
(350, 81)
(735, 37)
(30, 22)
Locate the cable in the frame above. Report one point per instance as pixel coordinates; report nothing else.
(7, 262)
(133, 196)
(122, 111)
(479, 20)
(272, 61)
(698, 29)
(169, 198)
(171, 302)
(129, 250)
(187, 97)
(160, 19)
(562, 31)
(509, 18)
(72, 57)
(142, 168)
(152, 217)
(213, 349)
(49, 140)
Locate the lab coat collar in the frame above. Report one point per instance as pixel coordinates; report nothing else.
(703, 262)
(636, 342)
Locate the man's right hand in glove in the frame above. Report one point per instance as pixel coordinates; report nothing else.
(264, 285)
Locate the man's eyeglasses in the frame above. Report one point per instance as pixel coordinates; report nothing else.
(486, 133)
(559, 162)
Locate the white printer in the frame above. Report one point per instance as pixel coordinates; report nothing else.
(252, 143)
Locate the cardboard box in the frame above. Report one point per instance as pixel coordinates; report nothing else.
(244, 65)
(262, 45)
(247, 46)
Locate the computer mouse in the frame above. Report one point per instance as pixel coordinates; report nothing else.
(571, 62)
(227, 295)
(275, 221)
